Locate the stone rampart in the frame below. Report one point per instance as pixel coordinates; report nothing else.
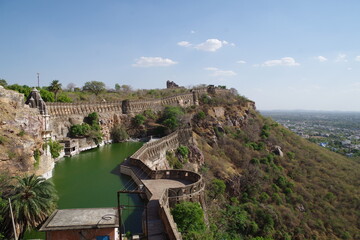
(64, 109)
(153, 154)
(139, 106)
(131, 106)
(193, 191)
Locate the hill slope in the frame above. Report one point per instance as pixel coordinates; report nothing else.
(308, 193)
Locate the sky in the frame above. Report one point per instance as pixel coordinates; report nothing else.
(284, 55)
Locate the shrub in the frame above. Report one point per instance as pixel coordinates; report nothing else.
(80, 130)
(188, 216)
(290, 155)
(217, 188)
(183, 151)
(46, 95)
(139, 119)
(21, 133)
(255, 161)
(92, 119)
(171, 117)
(150, 114)
(64, 98)
(200, 115)
(173, 161)
(55, 148)
(37, 155)
(119, 134)
(264, 197)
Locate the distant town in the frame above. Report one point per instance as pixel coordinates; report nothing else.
(336, 131)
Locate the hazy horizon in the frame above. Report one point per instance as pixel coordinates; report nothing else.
(280, 54)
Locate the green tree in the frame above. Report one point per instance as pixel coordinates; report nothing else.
(80, 130)
(118, 133)
(55, 148)
(189, 217)
(46, 95)
(117, 87)
(33, 199)
(139, 119)
(172, 117)
(217, 188)
(95, 87)
(55, 87)
(3, 82)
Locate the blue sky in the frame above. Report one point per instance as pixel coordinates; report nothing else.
(281, 54)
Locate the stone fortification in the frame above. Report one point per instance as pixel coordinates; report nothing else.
(126, 106)
(138, 106)
(153, 154)
(65, 109)
(144, 165)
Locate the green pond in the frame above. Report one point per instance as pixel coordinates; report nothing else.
(92, 179)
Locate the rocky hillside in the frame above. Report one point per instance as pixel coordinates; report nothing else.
(20, 136)
(278, 185)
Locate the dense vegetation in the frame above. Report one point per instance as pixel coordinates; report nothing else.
(89, 128)
(309, 193)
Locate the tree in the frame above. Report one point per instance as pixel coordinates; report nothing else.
(189, 217)
(119, 134)
(117, 87)
(94, 87)
(55, 87)
(172, 117)
(33, 199)
(3, 82)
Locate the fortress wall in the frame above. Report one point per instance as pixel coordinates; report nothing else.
(139, 106)
(131, 106)
(154, 153)
(66, 109)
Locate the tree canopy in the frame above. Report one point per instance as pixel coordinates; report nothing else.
(95, 87)
(33, 199)
(55, 87)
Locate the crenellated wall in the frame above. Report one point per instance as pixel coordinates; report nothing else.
(138, 106)
(153, 154)
(131, 106)
(65, 109)
(148, 159)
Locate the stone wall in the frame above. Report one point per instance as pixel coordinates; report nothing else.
(138, 106)
(65, 109)
(149, 158)
(153, 154)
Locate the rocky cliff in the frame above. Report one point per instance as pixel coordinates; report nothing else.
(21, 143)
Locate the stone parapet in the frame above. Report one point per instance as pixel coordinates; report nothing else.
(65, 109)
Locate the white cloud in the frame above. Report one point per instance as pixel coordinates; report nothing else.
(211, 45)
(321, 58)
(285, 61)
(349, 68)
(341, 58)
(357, 58)
(153, 62)
(241, 62)
(220, 73)
(192, 32)
(184, 44)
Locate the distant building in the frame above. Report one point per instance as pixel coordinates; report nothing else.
(85, 223)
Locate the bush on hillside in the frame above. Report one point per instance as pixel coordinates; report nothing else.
(119, 134)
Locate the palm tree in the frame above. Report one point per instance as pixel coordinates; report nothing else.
(55, 87)
(33, 200)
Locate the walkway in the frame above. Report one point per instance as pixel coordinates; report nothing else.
(156, 229)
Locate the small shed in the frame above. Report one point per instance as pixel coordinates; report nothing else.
(81, 224)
